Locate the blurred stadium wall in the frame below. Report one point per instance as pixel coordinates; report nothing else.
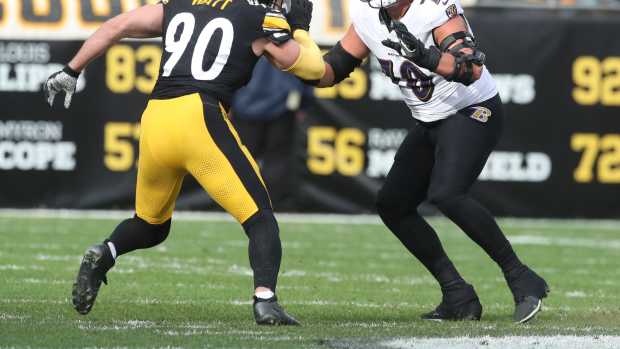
(557, 64)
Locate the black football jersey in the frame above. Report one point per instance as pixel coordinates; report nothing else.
(207, 45)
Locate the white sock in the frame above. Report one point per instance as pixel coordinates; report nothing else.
(112, 249)
(264, 294)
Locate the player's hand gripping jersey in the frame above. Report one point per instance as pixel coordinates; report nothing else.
(429, 95)
(208, 45)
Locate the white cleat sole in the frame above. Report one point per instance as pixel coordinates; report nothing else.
(535, 311)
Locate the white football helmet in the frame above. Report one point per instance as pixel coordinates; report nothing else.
(381, 3)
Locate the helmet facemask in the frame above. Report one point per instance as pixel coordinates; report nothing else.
(378, 4)
(280, 5)
(285, 6)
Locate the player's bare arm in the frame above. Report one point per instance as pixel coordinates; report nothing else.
(143, 22)
(343, 58)
(281, 56)
(300, 56)
(441, 33)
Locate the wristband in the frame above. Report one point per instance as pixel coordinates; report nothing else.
(67, 69)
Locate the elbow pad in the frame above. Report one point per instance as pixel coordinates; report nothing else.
(309, 65)
(463, 62)
(342, 62)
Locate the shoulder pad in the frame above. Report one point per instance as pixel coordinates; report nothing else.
(276, 28)
(438, 13)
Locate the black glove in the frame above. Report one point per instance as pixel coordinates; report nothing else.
(384, 18)
(300, 15)
(61, 81)
(411, 47)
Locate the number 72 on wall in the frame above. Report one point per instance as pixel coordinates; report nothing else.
(600, 154)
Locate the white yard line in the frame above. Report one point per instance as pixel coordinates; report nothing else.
(105, 214)
(512, 342)
(235, 302)
(190, 216)
(166, 347)
(318, 218)
(563, 241)
(7, 316)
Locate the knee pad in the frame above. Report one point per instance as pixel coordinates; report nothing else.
(136, 233)
(390, 207)
(157, 233)
(384, 203)
(444, 198)
(262, 222)
(386, 213)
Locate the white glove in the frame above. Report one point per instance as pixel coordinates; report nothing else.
(64, 80)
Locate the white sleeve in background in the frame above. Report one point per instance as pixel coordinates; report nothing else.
(363, 19)
(437, 14)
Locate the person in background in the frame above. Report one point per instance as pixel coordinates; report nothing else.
(264, 113)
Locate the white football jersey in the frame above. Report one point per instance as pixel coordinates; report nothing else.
(429, 96)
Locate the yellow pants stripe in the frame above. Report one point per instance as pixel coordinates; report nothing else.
(245, 150)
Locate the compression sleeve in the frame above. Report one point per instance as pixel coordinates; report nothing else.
(309, 65)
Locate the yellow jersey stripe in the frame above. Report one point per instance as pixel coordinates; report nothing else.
(272, 22)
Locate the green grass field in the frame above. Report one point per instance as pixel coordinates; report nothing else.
(352, 286)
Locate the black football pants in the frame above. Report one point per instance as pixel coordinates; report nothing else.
(439, 162)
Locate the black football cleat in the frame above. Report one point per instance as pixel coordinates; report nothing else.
(528, 290)
(457, 304)
(269, 312)
(96, 262)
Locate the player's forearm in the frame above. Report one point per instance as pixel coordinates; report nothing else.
(339, 64)
(328, 79)
(300, 57)
(143, 22)
(109, 33)
(281, 56)
(309, 63)
(446, 67)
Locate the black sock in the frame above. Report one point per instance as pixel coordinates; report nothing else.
(107, 261)
(446, 274)
(264, 249)
(136, 233)
(478, 223)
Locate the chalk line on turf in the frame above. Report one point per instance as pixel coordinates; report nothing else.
(510, 342)
(317, 218)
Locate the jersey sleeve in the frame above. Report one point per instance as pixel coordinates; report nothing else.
(439, 12)
(276, 28)
(357, 19)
